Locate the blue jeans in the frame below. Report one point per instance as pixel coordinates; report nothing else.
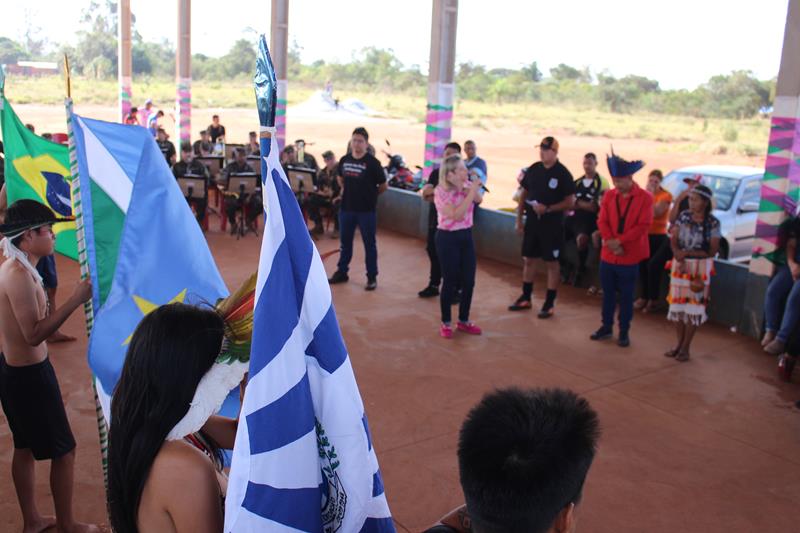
(367, 224)
(618, 279)
(783, 289)
(456, 252)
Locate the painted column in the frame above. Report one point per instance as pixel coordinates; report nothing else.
(439, 117)
(183, 73)
(780, 190)
(279, 50)
(124, 62)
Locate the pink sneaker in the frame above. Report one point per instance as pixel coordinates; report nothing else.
(446, 331)
(469, 327)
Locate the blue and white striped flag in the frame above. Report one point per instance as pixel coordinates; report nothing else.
(303, 459)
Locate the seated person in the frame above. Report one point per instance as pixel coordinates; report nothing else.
(305, 159)
(203, 147)
(288, 157)
(253, 148)
(529, 476)
(233, 200)
(216, 130)
(782, 302)
(191, 166)
(326, 194)
(166, 146)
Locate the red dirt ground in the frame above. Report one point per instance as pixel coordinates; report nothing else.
(709, 446)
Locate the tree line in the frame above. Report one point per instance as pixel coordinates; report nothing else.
(737, 95)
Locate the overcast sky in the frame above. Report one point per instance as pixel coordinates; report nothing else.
(681, 43)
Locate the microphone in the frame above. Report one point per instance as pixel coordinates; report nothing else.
(473, 177)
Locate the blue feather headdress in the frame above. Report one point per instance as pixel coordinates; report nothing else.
(620, 168)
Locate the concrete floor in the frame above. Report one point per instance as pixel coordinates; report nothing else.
(707, 446)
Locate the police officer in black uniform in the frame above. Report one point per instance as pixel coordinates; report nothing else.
(548, 190)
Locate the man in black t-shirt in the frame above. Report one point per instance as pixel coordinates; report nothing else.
(362, 179)
(452, 148)
(583, 221)
(166, 146)
(547, 191)
(190, 166)
(216, 130)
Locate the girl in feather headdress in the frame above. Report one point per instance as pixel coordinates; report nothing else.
(165, 469)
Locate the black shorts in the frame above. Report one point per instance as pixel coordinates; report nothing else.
(543, 240)
(583, 223)
(31, 400)
(47, 269)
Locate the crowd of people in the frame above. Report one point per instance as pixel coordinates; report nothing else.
(641, 232)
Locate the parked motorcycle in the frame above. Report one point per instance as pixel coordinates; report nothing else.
(398, 174)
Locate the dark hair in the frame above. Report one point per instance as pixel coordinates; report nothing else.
(134, 109)
(160, 113)
(658, 173)
(454, 145)
(26, 209)
(590, 155)
(252, 134)
(171, 350)
(361, 131)
(186, 146)
(523, 456)
(214, 116)
(327, 154)
(470, 141)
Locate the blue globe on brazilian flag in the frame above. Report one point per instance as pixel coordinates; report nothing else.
(37, 169)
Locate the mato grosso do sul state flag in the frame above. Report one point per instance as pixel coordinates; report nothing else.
(144, 246)
(37, 169)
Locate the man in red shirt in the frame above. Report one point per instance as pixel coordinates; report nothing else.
(625, 217)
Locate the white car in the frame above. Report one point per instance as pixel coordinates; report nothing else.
(737, 195)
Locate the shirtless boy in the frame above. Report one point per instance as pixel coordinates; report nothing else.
(29, 391)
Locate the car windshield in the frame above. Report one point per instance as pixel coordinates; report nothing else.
(724, 189)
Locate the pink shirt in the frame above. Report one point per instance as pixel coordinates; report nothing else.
(441, 198)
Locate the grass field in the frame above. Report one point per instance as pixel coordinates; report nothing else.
(676, 134)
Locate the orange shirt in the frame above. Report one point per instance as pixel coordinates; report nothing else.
(659, 225)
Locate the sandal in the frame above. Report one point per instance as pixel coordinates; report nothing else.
(671, 353)
(682, 356)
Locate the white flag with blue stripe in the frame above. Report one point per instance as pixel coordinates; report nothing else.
(303, 459)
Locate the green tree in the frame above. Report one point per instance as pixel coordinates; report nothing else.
(532, 72)
(564, 72)
(11, 52)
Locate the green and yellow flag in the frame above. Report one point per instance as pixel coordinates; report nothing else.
(37, 169)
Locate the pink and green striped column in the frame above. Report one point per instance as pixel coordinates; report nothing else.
(280, 114)
(125, 97)
(780, 189)
(183, 104)
(438, 124)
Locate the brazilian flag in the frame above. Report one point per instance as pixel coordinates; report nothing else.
(37, 169)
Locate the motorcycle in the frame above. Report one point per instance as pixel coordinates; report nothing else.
(399, 175)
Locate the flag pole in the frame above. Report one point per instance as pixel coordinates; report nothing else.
(83, 260)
